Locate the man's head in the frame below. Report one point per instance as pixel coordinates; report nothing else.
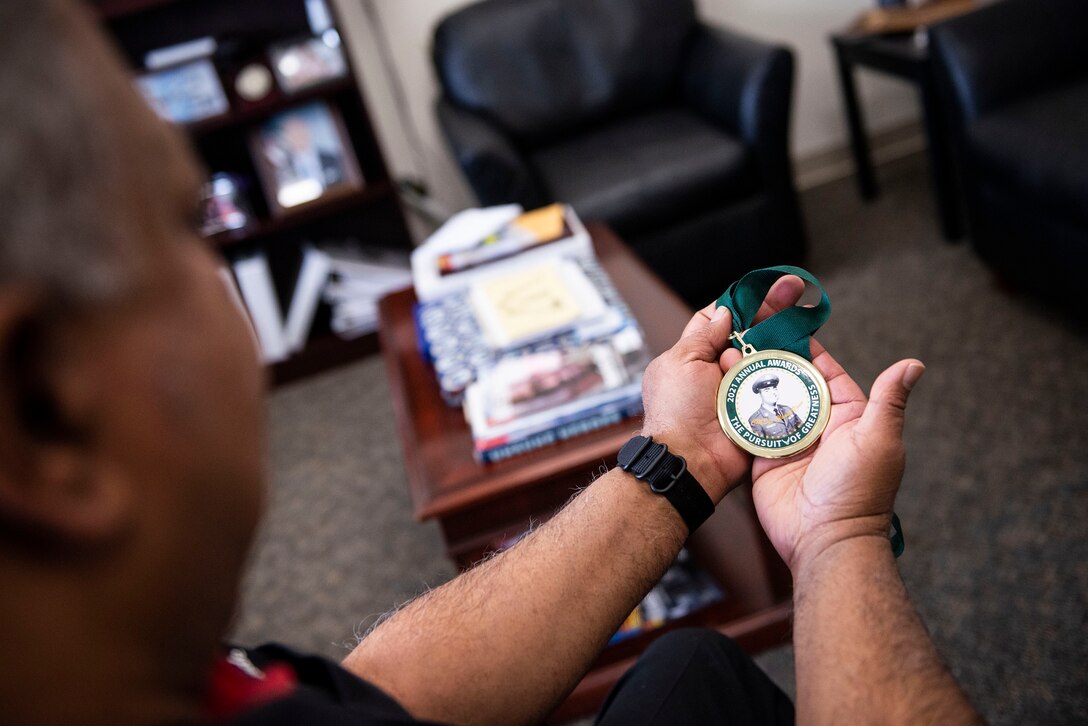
(766, 385)
(297, 134)
(130, 411)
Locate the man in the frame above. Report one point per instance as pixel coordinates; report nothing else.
(771, 420)
(130, 478)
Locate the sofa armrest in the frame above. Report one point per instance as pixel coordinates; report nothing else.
(741, 84)
(496, 170)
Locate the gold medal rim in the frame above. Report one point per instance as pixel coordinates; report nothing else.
(817, 430)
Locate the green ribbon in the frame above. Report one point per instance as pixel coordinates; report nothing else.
(896, 536)
(790, 329)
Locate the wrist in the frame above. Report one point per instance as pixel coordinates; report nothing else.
(700, 463)
(826, 543)
(668, 475)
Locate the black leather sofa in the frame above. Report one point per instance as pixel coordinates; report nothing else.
(1016, 77)
(637, 114)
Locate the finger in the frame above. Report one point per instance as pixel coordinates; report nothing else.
(784, 293)
(888, 399)
(729, 358)
(719, 330)
(699, 320)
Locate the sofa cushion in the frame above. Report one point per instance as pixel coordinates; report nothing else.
(645, 170)
(1039, 148)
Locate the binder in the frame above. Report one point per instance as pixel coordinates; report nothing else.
(311, 281)
(255, 284)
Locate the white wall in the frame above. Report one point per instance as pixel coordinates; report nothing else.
(415, 147)
(804, 25)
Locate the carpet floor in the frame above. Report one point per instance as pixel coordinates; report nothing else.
(993, 504)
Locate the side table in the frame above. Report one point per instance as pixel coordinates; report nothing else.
(901, 56)
(481, 506)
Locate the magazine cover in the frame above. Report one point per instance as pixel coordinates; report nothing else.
(529, 393)
(451, 337)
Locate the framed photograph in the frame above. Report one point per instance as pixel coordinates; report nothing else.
(304, 155)
(307, 63)
(186, 93)
(224, 207)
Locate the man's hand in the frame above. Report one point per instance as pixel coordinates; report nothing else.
(680, 389)
(862, 653)
(845, 486)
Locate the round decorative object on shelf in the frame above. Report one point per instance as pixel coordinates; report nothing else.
(254, 82)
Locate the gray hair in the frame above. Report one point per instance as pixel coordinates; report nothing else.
(61, 160)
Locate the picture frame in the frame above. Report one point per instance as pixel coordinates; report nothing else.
(303, 64)
(304, 156)
(223, 205)
(185, 93)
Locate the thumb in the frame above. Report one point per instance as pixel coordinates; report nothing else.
(888, 398)
(707, 341)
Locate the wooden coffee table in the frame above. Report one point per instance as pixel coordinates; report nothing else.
(481, 506)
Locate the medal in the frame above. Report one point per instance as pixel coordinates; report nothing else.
(774, 402)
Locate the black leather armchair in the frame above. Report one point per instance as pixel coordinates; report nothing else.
(1016, 77)
(635, 113)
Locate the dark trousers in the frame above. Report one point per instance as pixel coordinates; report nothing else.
(695, 677)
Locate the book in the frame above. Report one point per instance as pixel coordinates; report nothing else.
(355, 318)
(185, 93)
(518, 388)
(627, 398)
(358, 278)
(300, 314)
(179, 53)
(474, 243)
(528, 229)
(549, 396)
(533, 302)
(451, 338)
(583, 423)
(255, 284)
(235, 298)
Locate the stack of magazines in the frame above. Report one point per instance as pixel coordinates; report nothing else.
(528, 401)
(453, 337)
(526, 331)
(564, 362)
(536, 345)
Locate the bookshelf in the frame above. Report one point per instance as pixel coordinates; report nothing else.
(367, 209)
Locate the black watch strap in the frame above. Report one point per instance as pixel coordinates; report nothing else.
(668, 475)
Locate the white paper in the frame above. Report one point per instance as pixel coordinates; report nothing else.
(255, 284)
(311, 280)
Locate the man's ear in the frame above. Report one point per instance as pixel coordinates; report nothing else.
(56, 487)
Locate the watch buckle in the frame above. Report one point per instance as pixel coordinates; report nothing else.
(675, 478)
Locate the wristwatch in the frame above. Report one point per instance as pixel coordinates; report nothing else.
(668, 475)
